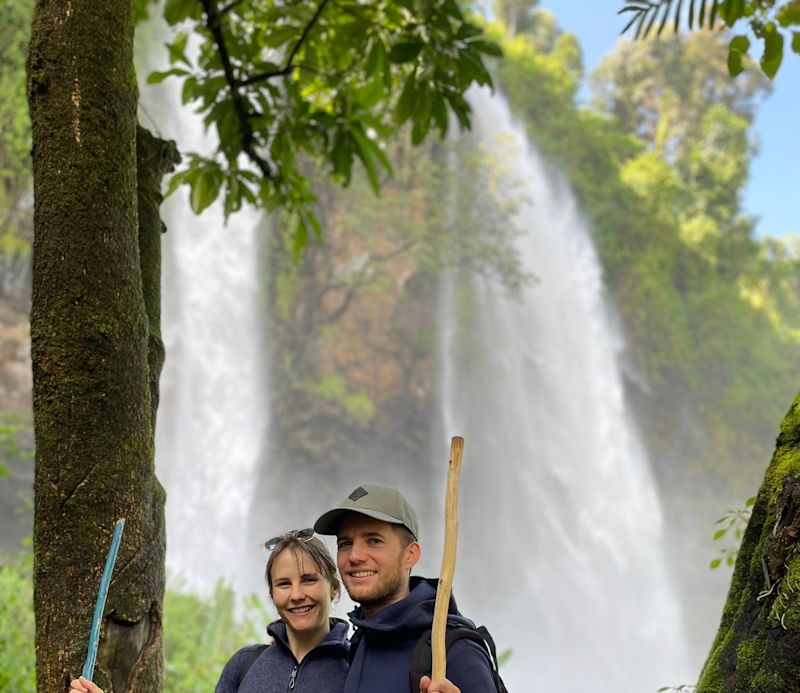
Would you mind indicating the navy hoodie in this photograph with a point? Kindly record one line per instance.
(276, 670)
(382, 659)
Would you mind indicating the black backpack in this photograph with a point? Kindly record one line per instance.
(422, 656)
(249, 660)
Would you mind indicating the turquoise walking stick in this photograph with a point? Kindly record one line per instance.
(100, 604)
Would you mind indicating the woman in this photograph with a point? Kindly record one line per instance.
(309, 654)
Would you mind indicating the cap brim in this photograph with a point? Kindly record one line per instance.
(328, 523)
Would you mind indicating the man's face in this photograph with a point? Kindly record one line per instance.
(373, 562)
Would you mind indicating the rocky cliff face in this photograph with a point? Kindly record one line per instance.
(352, 339)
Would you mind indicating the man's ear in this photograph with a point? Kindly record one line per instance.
(413, 553)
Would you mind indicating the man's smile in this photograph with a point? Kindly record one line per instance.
(362, 573)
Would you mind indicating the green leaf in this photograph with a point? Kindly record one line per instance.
(188, 176)
(715, 563)
(341, 155)
(731, 10)
(176, 11)
(376, 59)
(366, 149)
(439, 113)
(719, 534)
(315, 227)
(370, 94)
(300, 239)
(796, 41)
(158, 77)
(177, 49)
(420, 129)
(468, 30)
(362, 151)
(737, 49)
(789, 14)
(773, 50)
(405, 52)
(233, 197)
(750, 502)
(407, 101)
(276, 36)
(188, 89)
(488, 47)
(205, 189)
(375, 148)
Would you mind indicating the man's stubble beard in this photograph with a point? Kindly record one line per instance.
(384, 593)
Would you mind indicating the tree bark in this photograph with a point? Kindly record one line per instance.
(757, 648)
(95, 347)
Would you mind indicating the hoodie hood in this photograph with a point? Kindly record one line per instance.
(383, 646)
(414, 614)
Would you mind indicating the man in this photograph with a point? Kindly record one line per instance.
(376, 531)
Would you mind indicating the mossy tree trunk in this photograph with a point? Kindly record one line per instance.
(757, 648)
(96, 347)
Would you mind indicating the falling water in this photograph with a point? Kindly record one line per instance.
(561, 531)
(213, 411)
(560, 525)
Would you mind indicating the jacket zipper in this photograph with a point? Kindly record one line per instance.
(293, 677)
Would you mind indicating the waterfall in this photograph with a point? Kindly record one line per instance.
(560, 545)
(213, 397)
(560, 549)
(213, 413)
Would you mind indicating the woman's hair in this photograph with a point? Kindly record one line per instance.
(314, 549)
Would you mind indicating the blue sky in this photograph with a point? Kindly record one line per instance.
(773, 192)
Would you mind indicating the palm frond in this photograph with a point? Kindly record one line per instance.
(645, 14)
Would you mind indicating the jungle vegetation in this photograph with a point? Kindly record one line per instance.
(658, 158)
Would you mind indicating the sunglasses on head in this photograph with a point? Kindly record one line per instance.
(301, 534)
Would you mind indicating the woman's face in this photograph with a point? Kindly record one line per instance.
(301, 594)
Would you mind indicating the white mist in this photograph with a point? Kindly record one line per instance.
(560, 549)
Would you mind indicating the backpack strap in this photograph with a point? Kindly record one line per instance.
(248, 659)
(422, 657)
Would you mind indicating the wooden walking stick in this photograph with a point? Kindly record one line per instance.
(448, 560)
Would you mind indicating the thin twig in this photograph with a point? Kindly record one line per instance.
(286, 69)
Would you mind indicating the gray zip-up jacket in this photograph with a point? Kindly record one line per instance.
(323, 670)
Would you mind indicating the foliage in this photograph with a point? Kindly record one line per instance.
(769, 22)
(10, 446)
(17, 658)
(334, 81)
(201, 633)
(733, 525)
(352, 323)
(15, 136)
(658, 162)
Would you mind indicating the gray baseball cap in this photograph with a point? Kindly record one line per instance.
(373, 500)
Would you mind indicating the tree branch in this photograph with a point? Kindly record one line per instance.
(214, 23)
(286, 69)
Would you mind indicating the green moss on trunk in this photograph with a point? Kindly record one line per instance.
(94, 338)
(757, 646)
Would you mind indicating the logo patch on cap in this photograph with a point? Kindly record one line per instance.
(358, 493)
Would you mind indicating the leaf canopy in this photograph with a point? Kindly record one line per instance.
(331, 80)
